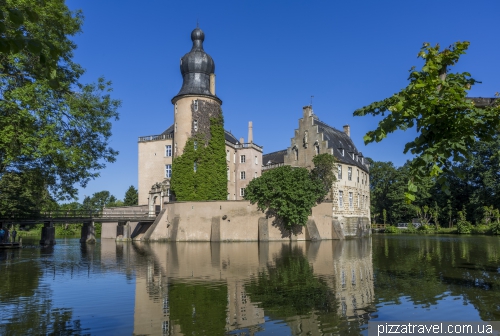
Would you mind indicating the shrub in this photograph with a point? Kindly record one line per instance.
(426, 228)
(463, 226)
(411, 228)
(392, 229)
(480, 229)
(495, 228)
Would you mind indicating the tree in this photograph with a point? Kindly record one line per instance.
(131, 196)
(323, 172)
(435, 103)
(50, 123)
(290, 193)
(99, 200)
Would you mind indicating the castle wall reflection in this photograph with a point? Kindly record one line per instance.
(213, 288)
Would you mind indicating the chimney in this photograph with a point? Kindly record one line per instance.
(212, 84)
(347, 130)
(250, 132)
(242, 141)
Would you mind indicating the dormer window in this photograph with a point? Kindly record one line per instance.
(195, 125)
(195, 105)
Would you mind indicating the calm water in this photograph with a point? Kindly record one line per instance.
(329, 287)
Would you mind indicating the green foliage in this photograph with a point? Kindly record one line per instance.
(426, 228)
(435, 104)
(21, 193)
(290, 289)
(463, 226)
(323, 172)
(411, 228)
(387, 192)
(392, 229)
(480, 229)
(50, 123)
(131, 196)
(196, 307)
(209, 181)
(286, 193)
(99, 200)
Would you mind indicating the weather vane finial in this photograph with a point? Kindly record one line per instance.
(312, 100)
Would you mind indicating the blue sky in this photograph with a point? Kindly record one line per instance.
(271, 57)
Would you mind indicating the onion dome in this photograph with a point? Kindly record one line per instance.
(196, 68)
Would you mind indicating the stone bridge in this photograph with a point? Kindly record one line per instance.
(88, 217)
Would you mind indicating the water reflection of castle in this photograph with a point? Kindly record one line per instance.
(184, 286)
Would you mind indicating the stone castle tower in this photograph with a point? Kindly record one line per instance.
(198, 89)
(194, 105)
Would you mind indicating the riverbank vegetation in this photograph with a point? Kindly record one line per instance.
(95, 202)
(471, 205)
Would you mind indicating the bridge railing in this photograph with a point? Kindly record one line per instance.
(53, 214)
(379, 226)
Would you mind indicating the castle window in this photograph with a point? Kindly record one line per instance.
(176, 106)
(255, 175)
(195, 144)
(242, 175)
(350, 200)
(296, 152)
(195, 105)
(316, 149)
(228, 155)
(362, 201)
(256, 160)
(175, 147)
(358, 174)
(168, 150)
(242, 191)
(195, 125)
(168, 170)
(341, 198)
(358, 200)
(228, 175)
(242, 158)
(175, 127)
(339, 175)
(349, 173)
(195, 166)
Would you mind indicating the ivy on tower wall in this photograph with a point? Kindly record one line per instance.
(205, 149)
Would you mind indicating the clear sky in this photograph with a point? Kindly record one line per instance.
(271, 57)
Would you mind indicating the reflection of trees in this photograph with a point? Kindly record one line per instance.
(289, 288)
(27, 305)
(428, 268)
(198, 309)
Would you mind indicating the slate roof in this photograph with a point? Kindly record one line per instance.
(169, 130)
(338, 140)
(229, 137)
(274, 157)
(483, 102)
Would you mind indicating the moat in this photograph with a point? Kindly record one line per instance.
(328, 287)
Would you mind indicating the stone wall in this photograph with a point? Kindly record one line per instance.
(242, 221)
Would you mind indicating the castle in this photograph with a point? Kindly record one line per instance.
(196, 104)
